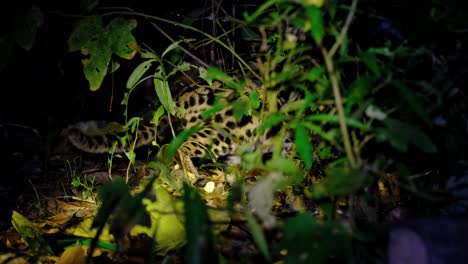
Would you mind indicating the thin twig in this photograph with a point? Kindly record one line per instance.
(328, 57)
(344, 30)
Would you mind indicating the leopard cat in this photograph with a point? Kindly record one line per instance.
(220, 134)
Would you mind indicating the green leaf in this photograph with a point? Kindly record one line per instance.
(217, 74)
(30, 233)
(339, 181)
(161, 85)
(174, 45)
(217, 106)
(84, 32)
(260, 11)
(413, 101)
(401, 135)
(329, 136)
(138, 72)
(308, 241)
(370, 60)
(272, 121)
(257, 235)
(198, 228)
(241, 107)
(166, 213)
(314, 74)
(325, 153)
(121, 40)
(99, 43)
(146, 54)
(303, 146)
(315, 16)
(179, 140)
(254, 98)
(111, 194)
(359, 89)
(287, 166)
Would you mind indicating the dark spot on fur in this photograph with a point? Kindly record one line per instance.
(201, 100)
(218, 118)
(204, 133)
(229, 112)
(273, 131)
(245, 120)
(225, 149)
(144, 135)
(192, 100)
(221, 136)
(99, 139)
(193, 119)
(210, 98)
(230, 124)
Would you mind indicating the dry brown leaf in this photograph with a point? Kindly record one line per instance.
(73, 255)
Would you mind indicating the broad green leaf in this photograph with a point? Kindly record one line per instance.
(99, 43)
(303, 146)
(280, 164)
(110, 194)
(155, 121)
(198, 228)
(146, 54)
(308, 241)
(260, 11)
(174, 45)
(161, 86)
(400, 135)
(272, 121)
(314, 74)
(217, 74)
(121, 40)
(325, 153)
(315, 16)
(241, 107)
(166, 213)
(330, 135)
(96, 66)
(370, 60)
(138, 72)
(413, 101)
(217, 106)
(359, 89)
(257, 235)
(30, 233)
(254, 98)
(84, 32)
(339, 181)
